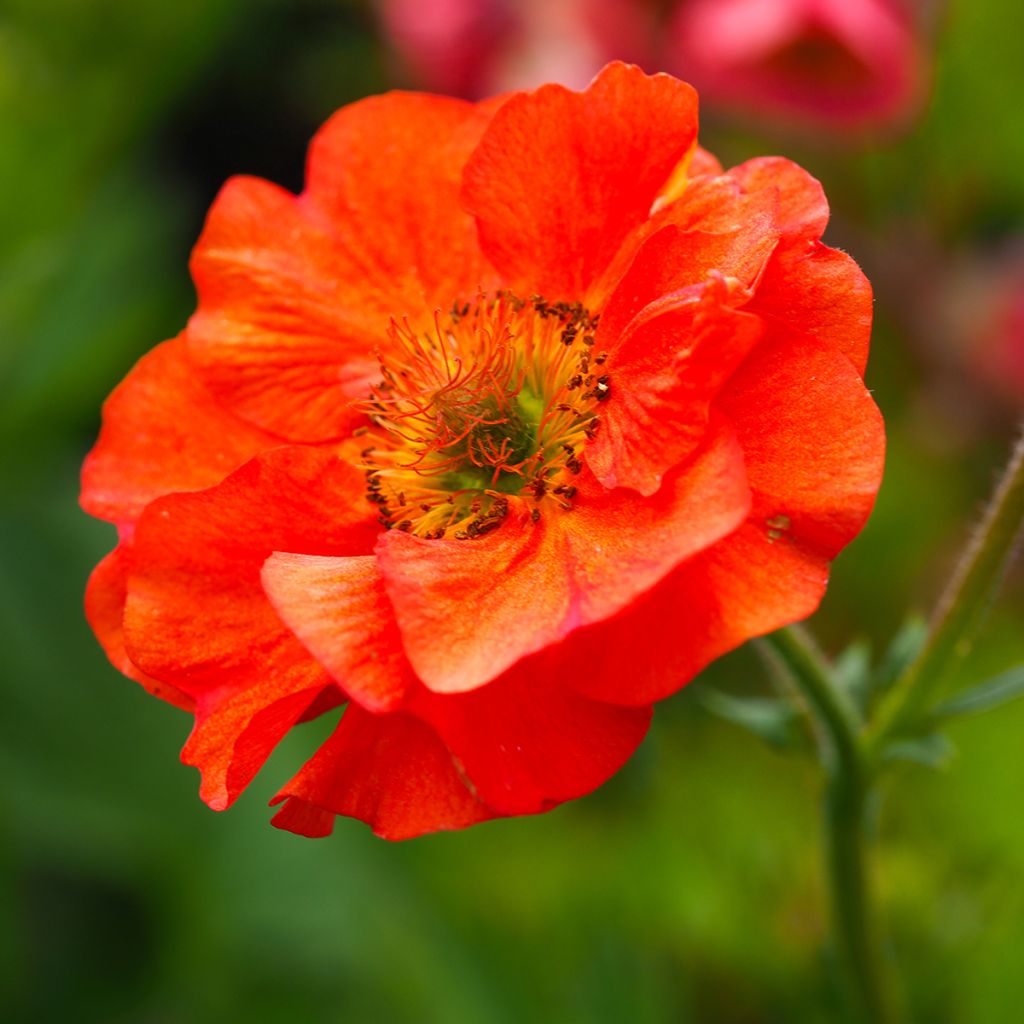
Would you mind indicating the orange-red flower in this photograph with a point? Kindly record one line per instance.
(520, 414)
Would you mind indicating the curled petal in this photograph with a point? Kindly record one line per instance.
(468, 610)
(813, 441)
(528, 741)
(162, 431)
(806, 286)
(822, 293)
(385, 174)
(105, 596)
(554, 224)
(196, 614)
(813, 444)
(234, 734)
(803, 208)
(666, 369)
(391, 771)
(715, 228)
(744, 586)
(296, 293)
(338, 608)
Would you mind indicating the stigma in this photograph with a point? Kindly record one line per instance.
(490, 406)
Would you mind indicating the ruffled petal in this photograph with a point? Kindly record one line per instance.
(339, 610)
(807, 286)
(715, 228)
(528, 741)
(803, 208)
(468, 610)
(665, 371)
(162, 431)
(235, 734)
(296, 293)
(560, 179)
(822, 293)
(196, 615)
(385, 173)
(812, 438)
(105, 596)
(391, 771)
(813, 444)
(746, 585)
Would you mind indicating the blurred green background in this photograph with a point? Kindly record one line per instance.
(688, 888)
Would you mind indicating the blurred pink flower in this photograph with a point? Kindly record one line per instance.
(996, 342)
(850, 64)
(474, 48)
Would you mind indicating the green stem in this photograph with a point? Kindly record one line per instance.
(962, 609)
(857, 935)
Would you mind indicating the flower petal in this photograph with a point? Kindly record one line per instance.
(468, 610)
(527, 741)
(807, 286)
(665, 371)
(196, 615)
(391, 771)
(803, 208)
(819, 292)
(813, 441)
(234, 735)
(714, 229)
(386, 174)
(104, 608)
(295, 293)
(162, 432)
(744, 586)
(561, 178)
(338, 608)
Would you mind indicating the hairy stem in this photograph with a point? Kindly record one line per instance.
(962, 608)
(857, 937)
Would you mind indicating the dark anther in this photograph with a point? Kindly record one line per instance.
(483, 526)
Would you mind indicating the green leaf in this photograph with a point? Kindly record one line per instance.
(905, 647)
(931, 751)
(852, 670)
(772, 719)
(992, 693)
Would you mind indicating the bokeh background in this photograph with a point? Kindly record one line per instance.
(688, 888)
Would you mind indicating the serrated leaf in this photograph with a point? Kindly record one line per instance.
(772, 719)
(992, 693)
(931, 751)
(904, 648)
(852, 670)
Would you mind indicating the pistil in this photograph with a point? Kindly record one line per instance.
(496, 402)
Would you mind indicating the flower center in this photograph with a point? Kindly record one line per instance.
(495, 401)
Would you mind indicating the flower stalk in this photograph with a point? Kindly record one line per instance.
(961, 611)
(851, 750)
(857, 936)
